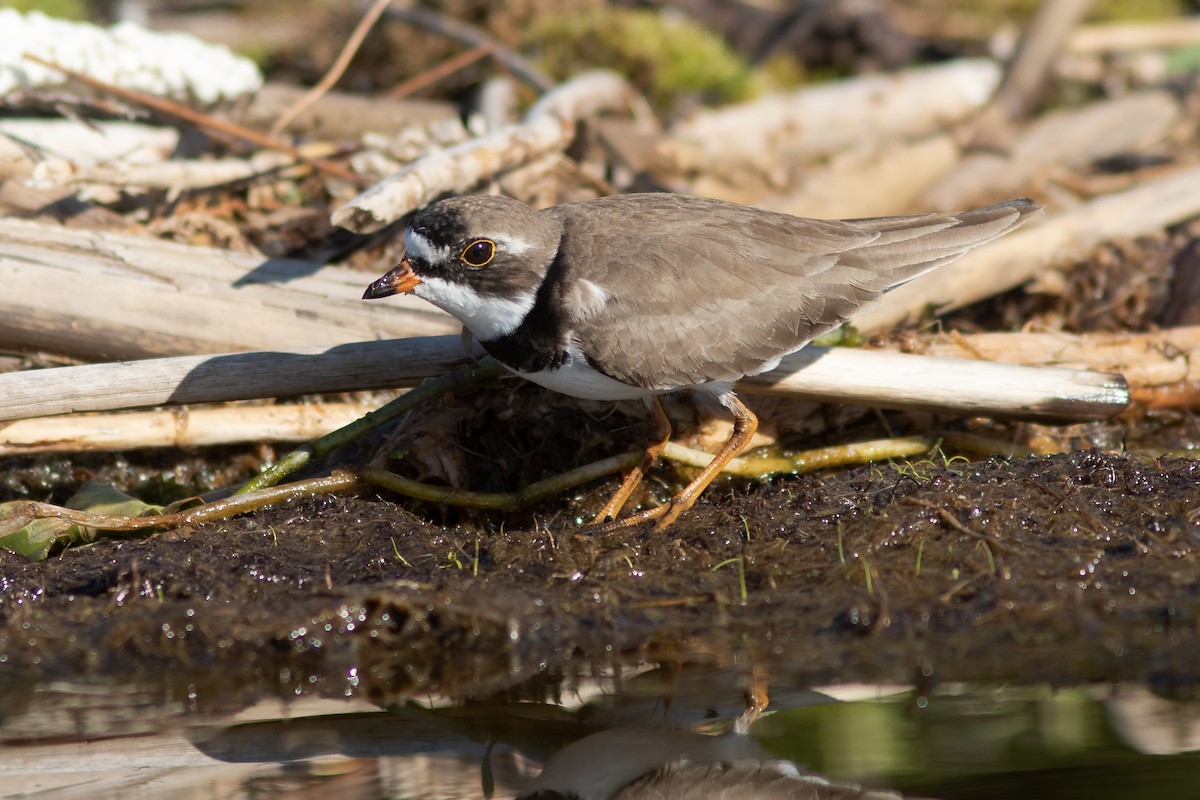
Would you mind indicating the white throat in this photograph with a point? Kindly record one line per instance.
(487, 316)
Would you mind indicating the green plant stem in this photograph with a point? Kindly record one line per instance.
(487, 369)
(499, 501)
(807, 460)
(339, 481)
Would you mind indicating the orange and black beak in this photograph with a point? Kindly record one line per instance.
(401, 280)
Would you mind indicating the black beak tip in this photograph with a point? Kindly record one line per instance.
(377, 290)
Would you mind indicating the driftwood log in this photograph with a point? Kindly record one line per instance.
(1158, 367)
(1068, 139)
(99, 295)
(548, 128)
(178, 427)
(831, 117)
(889, 380)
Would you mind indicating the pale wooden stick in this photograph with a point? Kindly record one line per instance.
(456, 169)
(889, 380)
(100, 295)
(24, 143)
(180, 427)
(547, 128)
(236, 376)
(1161, 368)
(946, 385)
(1157, 35)
(1059, 140)
(339, 115)
(17, 197)
(875, 182)
(1010, 261)
(1031, 66)
(175, 174)
(1154, 364)
(830, 117)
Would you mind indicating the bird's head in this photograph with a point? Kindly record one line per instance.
(480, 258)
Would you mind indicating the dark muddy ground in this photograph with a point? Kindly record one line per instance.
(1063, 569)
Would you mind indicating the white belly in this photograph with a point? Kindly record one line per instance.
(577, 379)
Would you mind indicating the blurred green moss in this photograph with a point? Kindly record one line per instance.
(667, 56)
(62, 9)
(1102, 11)
(1115, 10)
(1184, 59)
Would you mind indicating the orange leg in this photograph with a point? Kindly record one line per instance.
(744, 426)
(662, 434)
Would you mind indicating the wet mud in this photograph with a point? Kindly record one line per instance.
(1061, 569)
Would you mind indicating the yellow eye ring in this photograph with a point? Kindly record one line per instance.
(478, 253)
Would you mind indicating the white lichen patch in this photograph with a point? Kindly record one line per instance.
(175, 65)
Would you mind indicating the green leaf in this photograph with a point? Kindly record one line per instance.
(100, 498)
(38, 538)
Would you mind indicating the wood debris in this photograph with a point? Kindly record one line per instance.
(276, 290)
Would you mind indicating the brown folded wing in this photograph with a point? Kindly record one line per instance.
(725, 290)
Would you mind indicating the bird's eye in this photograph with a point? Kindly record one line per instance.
(478, 253)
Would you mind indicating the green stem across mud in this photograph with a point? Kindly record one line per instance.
(465, 377)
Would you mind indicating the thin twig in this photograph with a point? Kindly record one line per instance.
(1026, 75)
(1041, 45)
(807, 460)
(200, 119)
(948, 517)
(434, 74)
(335, 71)
(520, 66)
(500, 501)
(556, 484)
(549, 127)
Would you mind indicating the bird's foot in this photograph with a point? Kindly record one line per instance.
(612, 509)
(662, 516)
(632, 521)
(633, 478)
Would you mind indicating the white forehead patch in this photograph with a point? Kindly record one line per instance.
(512, 244)
(487, 316)
(420, 248)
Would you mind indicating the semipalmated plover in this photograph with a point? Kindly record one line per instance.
(636, 295)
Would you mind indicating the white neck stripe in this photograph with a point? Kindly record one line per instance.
(487, 316)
